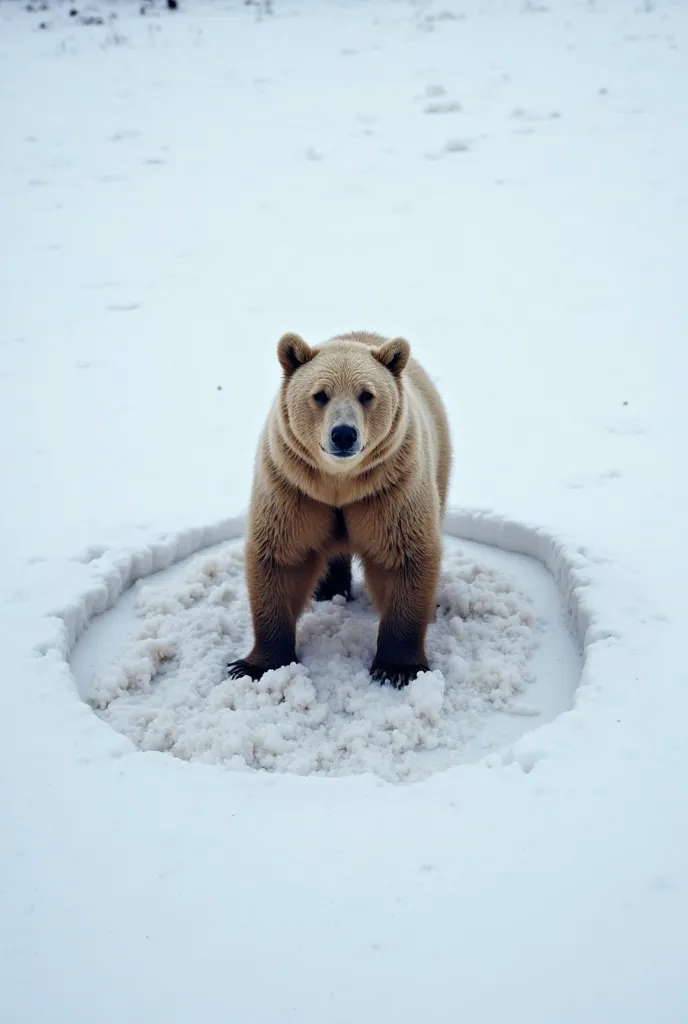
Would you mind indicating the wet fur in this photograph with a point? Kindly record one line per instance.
(306, 520)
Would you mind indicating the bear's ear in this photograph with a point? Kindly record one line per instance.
(394, 354)
(293, 352)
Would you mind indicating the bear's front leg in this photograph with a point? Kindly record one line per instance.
(405, 597)
(278, 594)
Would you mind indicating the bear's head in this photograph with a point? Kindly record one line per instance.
(343, 401)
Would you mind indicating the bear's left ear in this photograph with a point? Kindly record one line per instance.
(394, 354)
(293, 352)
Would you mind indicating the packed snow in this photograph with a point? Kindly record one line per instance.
(504, 183)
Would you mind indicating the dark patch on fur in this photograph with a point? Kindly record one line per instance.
(339, 528)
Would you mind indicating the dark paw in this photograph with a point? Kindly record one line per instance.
(398, 675)
(237, 669)
(243, 667)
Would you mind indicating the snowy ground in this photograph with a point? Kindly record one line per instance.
(155, 667)
(503, 183)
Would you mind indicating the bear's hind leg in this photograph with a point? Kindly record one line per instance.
(336, 581)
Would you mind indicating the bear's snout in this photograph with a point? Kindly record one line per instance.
(343, 440)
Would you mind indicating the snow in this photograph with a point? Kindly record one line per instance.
(164, 684)
(176, 191)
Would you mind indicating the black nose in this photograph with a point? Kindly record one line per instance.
(343, 437)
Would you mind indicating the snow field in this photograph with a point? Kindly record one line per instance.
(176, 191)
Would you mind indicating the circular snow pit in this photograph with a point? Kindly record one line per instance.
(502, 660)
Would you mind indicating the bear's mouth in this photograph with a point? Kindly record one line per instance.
(344, 454)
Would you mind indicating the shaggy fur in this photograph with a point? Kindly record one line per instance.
(310, 512)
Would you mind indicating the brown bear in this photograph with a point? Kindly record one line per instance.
(354, 460)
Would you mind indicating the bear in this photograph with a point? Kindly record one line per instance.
(354, 459)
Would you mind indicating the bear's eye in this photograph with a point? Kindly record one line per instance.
(321, 397)
(365, 397)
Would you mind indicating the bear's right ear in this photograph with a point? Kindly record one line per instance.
(394, 354)
(293, 352)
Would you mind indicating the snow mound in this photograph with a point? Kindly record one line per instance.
(169, 691)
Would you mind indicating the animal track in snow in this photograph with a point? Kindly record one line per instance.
(532, 117)
(442, 107)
